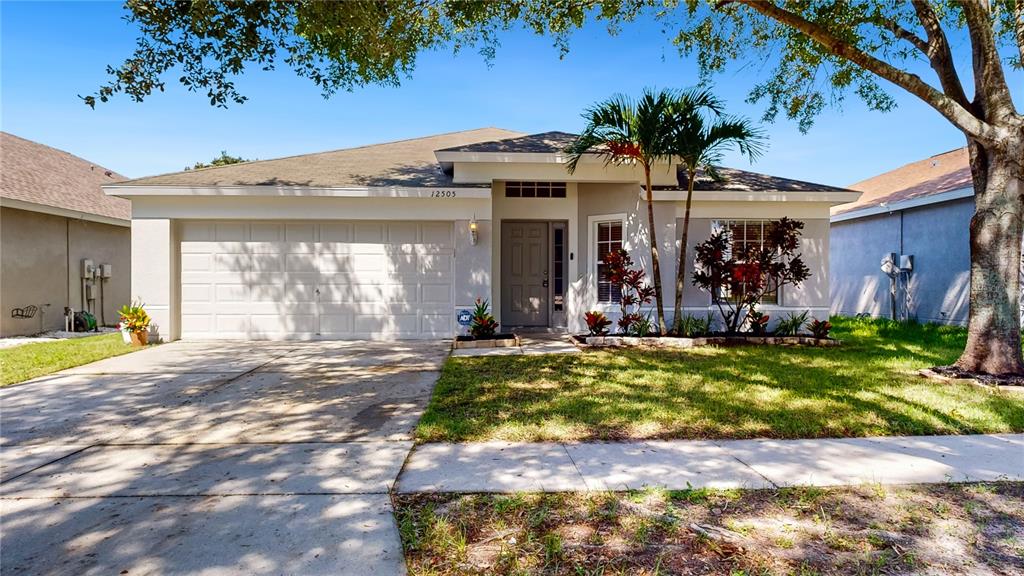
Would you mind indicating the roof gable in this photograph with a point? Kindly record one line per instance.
(39, 174)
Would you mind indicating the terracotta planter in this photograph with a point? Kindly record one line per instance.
(140, 339)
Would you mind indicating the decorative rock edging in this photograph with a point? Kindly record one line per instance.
(487, 343)
(669, 342)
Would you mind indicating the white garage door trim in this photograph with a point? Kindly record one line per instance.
(330, 280)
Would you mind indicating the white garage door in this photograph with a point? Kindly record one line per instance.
(307, 280)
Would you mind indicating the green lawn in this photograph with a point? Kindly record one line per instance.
(28, 361)
(866, 387)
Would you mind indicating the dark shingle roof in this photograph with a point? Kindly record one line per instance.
(543, 143)
(402, 163)
(36, 173)
(732, 179)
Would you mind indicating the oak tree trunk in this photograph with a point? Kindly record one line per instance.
(993, 328)
(655, 263)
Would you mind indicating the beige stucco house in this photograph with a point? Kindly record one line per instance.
(395, 240)
(54, 216)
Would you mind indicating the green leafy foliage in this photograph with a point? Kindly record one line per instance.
(133, 317)
(690, 326)
(224, 159)
(758, 322)
(790, 324)
(483, 324)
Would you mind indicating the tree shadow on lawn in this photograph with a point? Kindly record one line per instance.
(738, 392)
(957, 529)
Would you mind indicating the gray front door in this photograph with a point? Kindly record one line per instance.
(524, 273)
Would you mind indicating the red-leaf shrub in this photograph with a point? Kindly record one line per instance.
(819, 328)
(635, 292)
(597, 323)
(738, 279)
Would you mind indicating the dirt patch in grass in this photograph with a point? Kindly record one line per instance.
(954, 529)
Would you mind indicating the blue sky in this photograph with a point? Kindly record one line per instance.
(53, 52)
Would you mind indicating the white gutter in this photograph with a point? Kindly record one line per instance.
(885, 208)
(64, 212)
(830, 196)
(127, 191)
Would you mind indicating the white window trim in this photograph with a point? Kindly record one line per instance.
(592, 222)
(780, 299)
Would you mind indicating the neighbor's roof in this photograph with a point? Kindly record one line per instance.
(402, 163)
(940, 173)
(36, 173)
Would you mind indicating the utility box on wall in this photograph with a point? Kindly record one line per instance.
(88, 268)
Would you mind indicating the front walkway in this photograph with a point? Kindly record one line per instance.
(682, 464)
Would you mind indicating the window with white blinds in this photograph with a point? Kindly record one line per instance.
(609, 239)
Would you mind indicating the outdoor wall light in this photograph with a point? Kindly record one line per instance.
(473, 234)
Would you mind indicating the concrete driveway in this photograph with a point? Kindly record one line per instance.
(219, 458)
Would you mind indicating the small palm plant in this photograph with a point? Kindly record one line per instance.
(640, 132)
(702, 133)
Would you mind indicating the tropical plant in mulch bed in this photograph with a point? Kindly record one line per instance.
(758, 322)
(597, 323)
(820, 328)
(483, 324)
(738, 277)
(634, 294)
(790, 324)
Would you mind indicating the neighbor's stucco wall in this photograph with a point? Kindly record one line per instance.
(37, 268)
(103, 244)
(936, 235)
(33, 253)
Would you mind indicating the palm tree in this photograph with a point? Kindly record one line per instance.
(702, 134)
(623, 131)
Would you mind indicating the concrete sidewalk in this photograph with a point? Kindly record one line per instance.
(679, 464)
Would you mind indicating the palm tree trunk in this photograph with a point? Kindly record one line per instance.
(993, 328)
(655, 262)
(681, 269)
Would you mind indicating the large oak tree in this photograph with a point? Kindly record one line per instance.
(816, 51)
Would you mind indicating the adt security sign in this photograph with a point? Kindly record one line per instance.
(465, 317)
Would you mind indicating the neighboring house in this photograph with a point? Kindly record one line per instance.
(922, 210)
(53, 215)
(396, 240)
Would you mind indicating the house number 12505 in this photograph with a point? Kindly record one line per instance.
(442, 194)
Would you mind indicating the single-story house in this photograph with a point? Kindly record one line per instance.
(63, 242)
(920, 213)
(398, 240)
